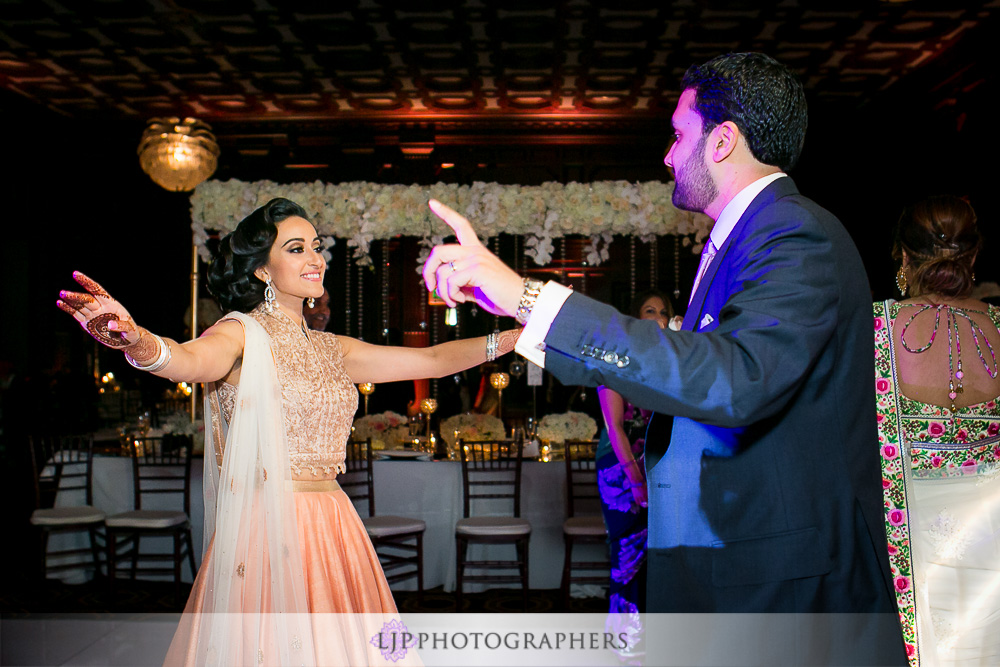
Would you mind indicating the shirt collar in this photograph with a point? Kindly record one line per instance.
(737, 206)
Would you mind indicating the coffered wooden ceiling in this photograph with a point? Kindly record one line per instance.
(427, 59)
(270, 73)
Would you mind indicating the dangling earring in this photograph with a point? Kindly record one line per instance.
(269, 296)
(901, 281)
(311, 302)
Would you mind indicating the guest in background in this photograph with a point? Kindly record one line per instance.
(621, 476)
(937, 397)
(317, 311)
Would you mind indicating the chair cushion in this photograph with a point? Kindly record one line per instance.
(67, 516)
(585, 526)
(386, 526)
(493, 525)
(146, 519)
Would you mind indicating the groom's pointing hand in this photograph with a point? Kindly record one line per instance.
(468, 271)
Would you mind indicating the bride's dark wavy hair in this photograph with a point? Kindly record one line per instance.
(231, 278)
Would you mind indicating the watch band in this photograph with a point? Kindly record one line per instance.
(532, 288)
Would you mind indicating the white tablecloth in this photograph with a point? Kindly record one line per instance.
(426, 490)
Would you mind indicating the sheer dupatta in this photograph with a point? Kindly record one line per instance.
(255, 608)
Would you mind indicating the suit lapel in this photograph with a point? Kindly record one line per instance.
(779, 188)
(658, 437)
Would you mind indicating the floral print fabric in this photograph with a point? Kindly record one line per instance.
(934, 442)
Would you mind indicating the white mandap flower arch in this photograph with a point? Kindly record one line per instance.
(362, 212)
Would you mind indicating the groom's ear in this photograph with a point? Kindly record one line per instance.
(724, 140)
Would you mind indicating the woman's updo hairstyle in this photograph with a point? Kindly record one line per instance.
(231, 278)
(941, 239)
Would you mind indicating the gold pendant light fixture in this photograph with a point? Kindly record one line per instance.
(178, 154)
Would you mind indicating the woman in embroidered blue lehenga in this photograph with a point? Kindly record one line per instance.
(938, 410)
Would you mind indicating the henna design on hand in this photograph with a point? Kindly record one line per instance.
(66, 308)
(145, 349)
(98, 328)
(78, 300)
(90, 285)
(508, 339)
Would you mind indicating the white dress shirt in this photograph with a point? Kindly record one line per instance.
(531, 344)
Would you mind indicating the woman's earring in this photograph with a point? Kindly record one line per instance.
(901, 281)
(269, 295)
(311, 302)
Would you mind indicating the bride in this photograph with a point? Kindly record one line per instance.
(289, 572)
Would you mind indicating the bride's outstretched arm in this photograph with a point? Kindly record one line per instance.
(380, 363)
(209, 358)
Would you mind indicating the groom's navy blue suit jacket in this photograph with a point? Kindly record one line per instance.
(763, 465)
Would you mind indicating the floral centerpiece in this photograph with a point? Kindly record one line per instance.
(567, 426)
(180, 424)
(388, 429)
(471, 427)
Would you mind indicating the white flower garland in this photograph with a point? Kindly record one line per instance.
(362, 212)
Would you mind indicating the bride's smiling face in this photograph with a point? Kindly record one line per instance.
(295, 264)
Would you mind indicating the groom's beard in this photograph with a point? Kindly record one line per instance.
(694, 188)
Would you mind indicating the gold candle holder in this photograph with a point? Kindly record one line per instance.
(499, 381)
(366, 389)
(428, 406)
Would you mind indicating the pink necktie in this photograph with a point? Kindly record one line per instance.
(707, 255)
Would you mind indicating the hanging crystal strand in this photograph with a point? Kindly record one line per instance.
(361, 302)
(434, 341)
(518, 255)
(347, 290)
(496, 251)
(631, 269)
(424, 295)
(562, 259)
(385, 290)
(677, 266)
(654, 268)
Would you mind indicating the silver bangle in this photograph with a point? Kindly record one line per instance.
(162, 359)
(532, 288)
(492, 344)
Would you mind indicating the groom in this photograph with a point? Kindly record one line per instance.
(764, 487)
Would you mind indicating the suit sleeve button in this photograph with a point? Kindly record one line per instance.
(623, 361)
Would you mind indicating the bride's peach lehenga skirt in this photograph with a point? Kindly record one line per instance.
(342, 576)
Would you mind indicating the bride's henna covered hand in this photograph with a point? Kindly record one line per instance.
(106, 320)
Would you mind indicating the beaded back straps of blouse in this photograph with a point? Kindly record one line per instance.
(952, 315)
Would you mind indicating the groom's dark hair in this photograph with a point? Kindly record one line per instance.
(760, 95)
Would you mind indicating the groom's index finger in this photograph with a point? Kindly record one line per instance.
(463, 228)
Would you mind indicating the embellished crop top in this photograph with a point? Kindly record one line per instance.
(318, 398)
